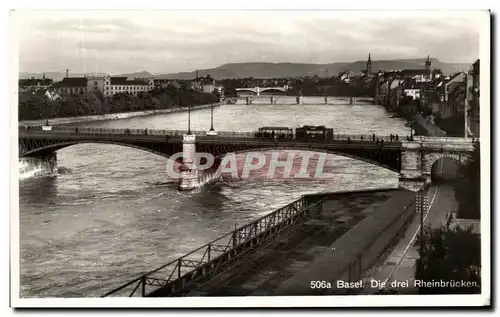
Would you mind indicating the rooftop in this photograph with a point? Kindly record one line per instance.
(414, 72)
(125, 81)
(72, 82)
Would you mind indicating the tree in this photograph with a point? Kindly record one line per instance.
(468, 190)
(450, 255)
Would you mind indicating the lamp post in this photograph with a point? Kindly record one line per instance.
(212, 118)
(189, 119)
(410, 124)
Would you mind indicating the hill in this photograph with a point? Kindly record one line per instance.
(273, 70)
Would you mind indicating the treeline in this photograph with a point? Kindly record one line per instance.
(35, 107)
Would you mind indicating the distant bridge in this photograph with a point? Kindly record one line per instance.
(302, 100)
(412, 159)
(256, 91)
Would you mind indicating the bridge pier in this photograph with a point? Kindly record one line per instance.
(326, 100)
(38, 165)
(299, 100)
(189, 170)
(411, 176)
(413, 184)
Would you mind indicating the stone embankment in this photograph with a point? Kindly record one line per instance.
(424, 127)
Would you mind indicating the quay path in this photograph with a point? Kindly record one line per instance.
(268, 269)
(400, 263)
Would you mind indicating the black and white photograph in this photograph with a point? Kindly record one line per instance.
(250, 158)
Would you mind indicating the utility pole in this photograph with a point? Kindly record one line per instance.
(422, 206)
(466, 104)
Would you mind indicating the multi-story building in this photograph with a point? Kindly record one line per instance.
(472, 99)
(456, 98)
(115, 85)
(451, 83)
(208, 85)
(108, 85)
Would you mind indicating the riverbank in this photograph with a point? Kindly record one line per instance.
(424, 127)
(113, 116)
(421, 125)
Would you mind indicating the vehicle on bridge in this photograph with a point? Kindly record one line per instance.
(274, 133)
(314, 133)
(46, 126)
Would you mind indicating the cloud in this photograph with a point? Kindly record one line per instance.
(172, 41)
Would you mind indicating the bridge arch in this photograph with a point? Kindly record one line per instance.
(246, 91)
(308, 149)
(272, 90)
(432, 158)
(50, 148)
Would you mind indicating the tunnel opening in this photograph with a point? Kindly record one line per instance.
(445, 170)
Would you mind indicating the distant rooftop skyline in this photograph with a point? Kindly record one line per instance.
(182, 41)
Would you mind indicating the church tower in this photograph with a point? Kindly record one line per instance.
(428, 64)
(369, 64)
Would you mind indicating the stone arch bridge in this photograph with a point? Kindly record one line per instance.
(413, 160)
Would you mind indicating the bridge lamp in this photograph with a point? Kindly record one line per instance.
(410, 125)
(212, 118)
(189, 119)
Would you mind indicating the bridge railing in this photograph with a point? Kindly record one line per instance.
(220, 134)
(210, 258)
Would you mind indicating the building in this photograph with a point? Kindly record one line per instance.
(414, 89)
(395, 92)
(34, 84)
(115, 85)
(71, 86)
(208, 85)
(451, 83)
(419, 74)
(472, 99)
(108, 85)
(205, 85)
(456, 99)
(161, 83)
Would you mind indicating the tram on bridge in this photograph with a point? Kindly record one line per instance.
(274, 133)
(314, 133)
(305, 133)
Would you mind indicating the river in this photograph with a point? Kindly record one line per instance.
(114, 214)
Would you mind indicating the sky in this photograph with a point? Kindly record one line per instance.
(173, 41)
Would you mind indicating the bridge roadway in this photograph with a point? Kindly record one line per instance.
(201, 137)
(38, 143)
